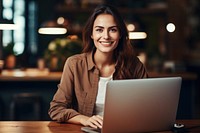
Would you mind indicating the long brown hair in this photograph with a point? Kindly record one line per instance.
(123, 53)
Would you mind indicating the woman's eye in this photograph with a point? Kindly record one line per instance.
(113, 30)
(99, 30)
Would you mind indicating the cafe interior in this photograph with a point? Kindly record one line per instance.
(42, 34)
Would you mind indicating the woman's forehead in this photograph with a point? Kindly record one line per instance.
(105, 20)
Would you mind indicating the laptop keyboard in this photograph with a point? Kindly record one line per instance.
(91, 130)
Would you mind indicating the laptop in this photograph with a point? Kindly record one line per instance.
(140, 105)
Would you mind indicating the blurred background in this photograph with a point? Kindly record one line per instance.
(164, 33)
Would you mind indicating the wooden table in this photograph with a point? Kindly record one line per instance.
(44, 82)
(32, 74)
(37, 127)
(193, 126)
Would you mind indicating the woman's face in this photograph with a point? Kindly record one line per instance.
(105, 33)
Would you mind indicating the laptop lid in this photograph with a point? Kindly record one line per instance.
(141, 105)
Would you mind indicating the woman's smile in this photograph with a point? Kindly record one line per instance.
(105, 33)
(106, 43)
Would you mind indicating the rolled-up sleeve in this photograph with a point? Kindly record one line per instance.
(77, 90)
(61, 105)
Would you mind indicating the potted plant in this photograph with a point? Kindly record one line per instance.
(59, 50)
(9, 56)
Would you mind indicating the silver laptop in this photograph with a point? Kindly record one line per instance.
(141, 105)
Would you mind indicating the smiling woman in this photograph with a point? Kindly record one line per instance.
(107, 55)
(105, 34)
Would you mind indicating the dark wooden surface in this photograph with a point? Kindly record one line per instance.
(53, 127)
(37, 75)
(45, 84)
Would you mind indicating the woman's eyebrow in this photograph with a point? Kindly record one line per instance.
(108, 27)
(98, 27)
(114, 26)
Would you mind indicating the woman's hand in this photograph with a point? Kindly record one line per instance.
(96, 121)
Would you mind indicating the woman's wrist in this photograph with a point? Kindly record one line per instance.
(79, 119)
(83, 119)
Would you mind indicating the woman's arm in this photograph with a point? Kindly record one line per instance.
(94, 121)
(61, 105)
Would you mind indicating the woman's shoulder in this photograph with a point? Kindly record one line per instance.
(79, 61)
(75, 57)
(78, 58)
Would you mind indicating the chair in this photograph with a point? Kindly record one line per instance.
(25, 106)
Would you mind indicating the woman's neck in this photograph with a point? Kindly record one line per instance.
(105, 63)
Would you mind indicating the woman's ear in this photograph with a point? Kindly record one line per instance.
(91, 36)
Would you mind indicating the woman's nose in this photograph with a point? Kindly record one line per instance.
(106, 34)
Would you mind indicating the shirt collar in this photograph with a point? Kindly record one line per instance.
(90, 61)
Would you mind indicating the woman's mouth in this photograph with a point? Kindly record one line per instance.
(107, 43)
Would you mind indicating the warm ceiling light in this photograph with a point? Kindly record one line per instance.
(57, 27)
(131, 27)
(170, 27)
(52, 30)
(7, 25)
(137, 35)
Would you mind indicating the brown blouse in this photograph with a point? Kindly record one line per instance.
(78, 87)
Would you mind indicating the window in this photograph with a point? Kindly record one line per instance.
(23, 14)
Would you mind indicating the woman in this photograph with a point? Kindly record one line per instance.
(107, 55)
